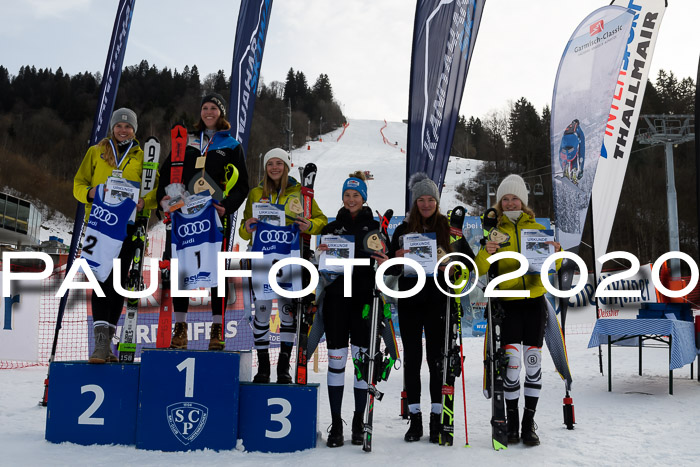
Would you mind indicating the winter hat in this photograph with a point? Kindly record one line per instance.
(124, 115)
(512, 185)
(421, 185)
(356, 184)
(217, 100)
(278, 153)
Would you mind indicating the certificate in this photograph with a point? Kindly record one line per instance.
(535, 248)
(421, 248)
(339, 247)
(272, 214)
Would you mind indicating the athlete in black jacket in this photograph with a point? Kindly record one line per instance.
(212, 159)
(342, 317)
(424, 311)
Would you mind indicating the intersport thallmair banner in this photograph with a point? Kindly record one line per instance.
(624, 114)
(583, 91)
(444, 35)
(251, 31)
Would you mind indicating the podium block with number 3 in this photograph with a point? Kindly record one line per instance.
(278, 417)
(188, 400)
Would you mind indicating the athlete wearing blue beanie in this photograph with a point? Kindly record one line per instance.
(357, 184)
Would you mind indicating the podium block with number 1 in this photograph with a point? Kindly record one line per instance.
(188, 400)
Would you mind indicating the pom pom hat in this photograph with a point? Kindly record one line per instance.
(421, 185)
(512, 185)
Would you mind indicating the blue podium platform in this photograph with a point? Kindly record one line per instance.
(92, 404)
(188, 400)
(278, 417)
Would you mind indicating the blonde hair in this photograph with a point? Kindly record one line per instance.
(269, 185)
(358, 174)
(107, 152)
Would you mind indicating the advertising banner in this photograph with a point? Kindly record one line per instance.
(624, 114)
(444, 35)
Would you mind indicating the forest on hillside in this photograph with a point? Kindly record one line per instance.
(46, 118)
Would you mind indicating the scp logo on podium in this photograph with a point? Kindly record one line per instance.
(187, 420)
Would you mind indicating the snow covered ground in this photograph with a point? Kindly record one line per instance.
(639, 423)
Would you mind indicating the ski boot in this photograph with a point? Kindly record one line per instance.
(529, 436)
(357, 428)
(513, 419)
(335, 432)
(101, 352)
(263, 375)
(216, 341)
(415, 430)
(179, 340)
(283, 376)
(434, 426)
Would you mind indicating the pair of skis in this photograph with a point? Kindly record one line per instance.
(178, 138)
(453, 354)
(127, 341)
(304, 308)
(374, 364)
(496, 360)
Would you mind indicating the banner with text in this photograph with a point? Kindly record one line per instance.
(624, 113)
(248, 48)
(444, 35)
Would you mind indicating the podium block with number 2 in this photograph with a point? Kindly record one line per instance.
(278, 417)
(92, 404)
(188, 400)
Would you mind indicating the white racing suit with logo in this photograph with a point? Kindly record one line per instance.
(276, 243)
(105, 233)
(196, 241)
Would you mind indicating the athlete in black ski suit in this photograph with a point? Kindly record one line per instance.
(425, 311)
(342, 317)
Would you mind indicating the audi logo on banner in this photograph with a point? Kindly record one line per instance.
(194, 228)
(269, 236)
(103, 215)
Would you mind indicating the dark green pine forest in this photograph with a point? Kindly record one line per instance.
(46, 118)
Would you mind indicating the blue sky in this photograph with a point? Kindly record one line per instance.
(363, 45)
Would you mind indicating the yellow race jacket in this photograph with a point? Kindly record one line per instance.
(94, 171)
(530, 281)
(291, 194)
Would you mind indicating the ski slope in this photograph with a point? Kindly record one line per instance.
(362, 147)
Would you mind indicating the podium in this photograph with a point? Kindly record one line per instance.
(278, 417)
(179, 400)
(92, 404)
(188, 400)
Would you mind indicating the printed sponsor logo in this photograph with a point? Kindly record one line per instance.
(103, 215)
(186, 420)
(199, 277)
(194, 228)
(596, 27)
(269, 236)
